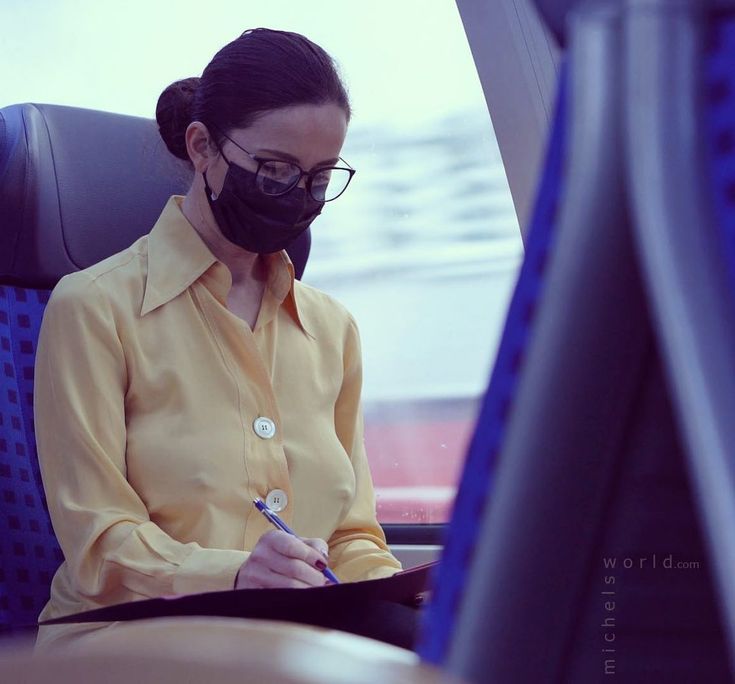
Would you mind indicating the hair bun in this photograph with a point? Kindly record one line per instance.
(174, 114)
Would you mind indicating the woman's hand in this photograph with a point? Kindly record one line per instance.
(282, 561)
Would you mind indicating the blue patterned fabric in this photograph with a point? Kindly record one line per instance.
(476, 484)
(719, 83)
(29, 553)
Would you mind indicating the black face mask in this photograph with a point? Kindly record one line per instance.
(257, 222)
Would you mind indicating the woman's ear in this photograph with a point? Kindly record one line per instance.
(200, 146)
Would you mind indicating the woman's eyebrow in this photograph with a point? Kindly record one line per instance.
(290, 157)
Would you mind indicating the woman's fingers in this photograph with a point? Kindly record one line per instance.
(298, 570)
(294, 547)
(318, 545)
(282, 560)
(296, 559)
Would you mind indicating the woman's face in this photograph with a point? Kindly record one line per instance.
(309, 135)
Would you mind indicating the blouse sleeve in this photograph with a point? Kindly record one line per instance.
(357, 549)
(103, 526)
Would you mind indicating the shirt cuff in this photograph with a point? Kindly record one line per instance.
(208, 570)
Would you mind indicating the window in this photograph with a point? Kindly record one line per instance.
(423, 247)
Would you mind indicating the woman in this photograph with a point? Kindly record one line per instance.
(182, 378)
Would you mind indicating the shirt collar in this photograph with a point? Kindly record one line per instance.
(178, 257)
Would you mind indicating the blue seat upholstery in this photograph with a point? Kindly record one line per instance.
(75, 187)
(719, 83)
(28, 549)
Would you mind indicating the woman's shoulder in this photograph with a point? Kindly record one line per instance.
(120, 278)
(321, 309)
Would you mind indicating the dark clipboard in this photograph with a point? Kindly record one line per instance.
(383, 609)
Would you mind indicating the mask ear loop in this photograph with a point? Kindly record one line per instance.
(207, 188)
(212, 195)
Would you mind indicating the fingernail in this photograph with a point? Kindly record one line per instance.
(321, 565)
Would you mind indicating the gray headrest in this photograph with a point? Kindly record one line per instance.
(78, 185)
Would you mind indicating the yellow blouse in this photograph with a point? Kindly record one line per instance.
(160, 415)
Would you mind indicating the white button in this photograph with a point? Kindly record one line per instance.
(265, 428)
(276, 500)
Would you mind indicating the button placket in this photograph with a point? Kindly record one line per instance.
(264, 459)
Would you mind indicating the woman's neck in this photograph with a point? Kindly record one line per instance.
(246, 267)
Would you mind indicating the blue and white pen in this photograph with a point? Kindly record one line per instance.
(275, 520)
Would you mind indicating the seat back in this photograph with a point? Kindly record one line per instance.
(681, 165)
(563, 570)
(76, 186)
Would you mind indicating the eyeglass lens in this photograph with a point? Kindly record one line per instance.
(276, 178)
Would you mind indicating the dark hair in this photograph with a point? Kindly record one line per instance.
(260, 71)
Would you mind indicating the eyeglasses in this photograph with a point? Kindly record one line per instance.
(277, 177)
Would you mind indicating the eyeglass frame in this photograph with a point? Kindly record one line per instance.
(309, 174)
